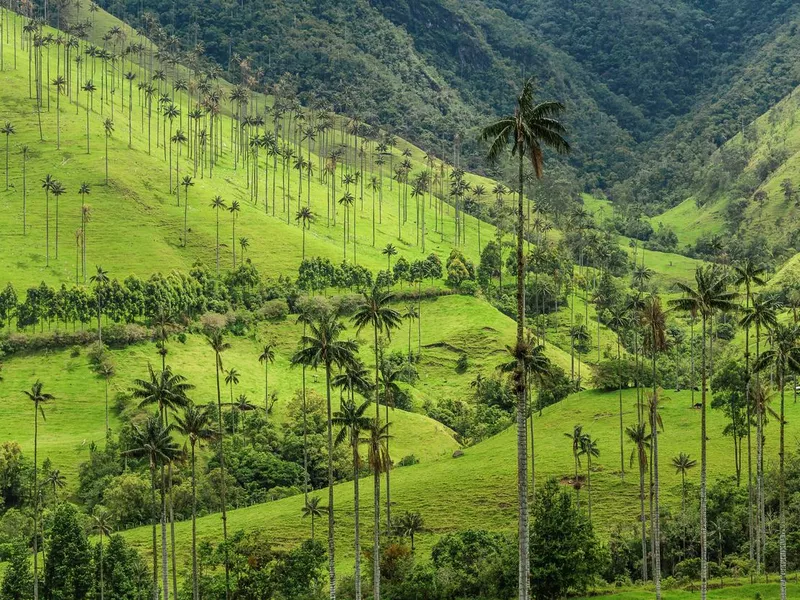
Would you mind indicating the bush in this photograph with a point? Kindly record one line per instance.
(274, 310)
(408, 461)
(462, 364)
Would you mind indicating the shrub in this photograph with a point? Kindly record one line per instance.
(274, 310)
(462, 364)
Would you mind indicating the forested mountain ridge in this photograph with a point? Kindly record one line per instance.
(652, 89)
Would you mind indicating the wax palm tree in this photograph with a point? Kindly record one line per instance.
(218, 204)
(389, 251)
(47, 185)
(164, 389)
(152, 440)
(84, 191)
(763, 317)
(377, 442)
(409, 524)
(315, 510)
(638, 436)
(578, 336)
(57, 481)
(7, 130)
(346, 201)
(101, 525)
(576, 439)
(266, 358)
(683, 464)
(231, 380)
(90, 89)
(590, 449)
(39, 397)
(530, 129)
(60, 83)
(352, 421)
(186, 183)
(218, 344)
(784, 357)
(375, 311)
(100, 281)
(108, 128)
(709, 295)
(305, 217)
(234, 210)
(196, 426)
(106, 370)
(410, 315)
(58, 190)
(620, 321)
(654, 320)
(129, 77)
(748, 274)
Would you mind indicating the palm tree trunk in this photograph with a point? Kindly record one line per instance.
(376, 534)
(357, 540)
(154, 510)
(655, 512)
(642, 516)
(35, 501)
(172, 535)
(164, 563)
(224, 483)
(703, 468)
(331, 544)
(621, 435)
(782, 482)
(522, 431)
(195, 589)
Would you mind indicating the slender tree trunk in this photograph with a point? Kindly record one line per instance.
(164, 563)
(642, 516)
(154, 516)
(195, 588)
(357, 537)
(331, 544)
(376, 532)
(35, 501)
(782, 481)
(703, 468)
(224, 483)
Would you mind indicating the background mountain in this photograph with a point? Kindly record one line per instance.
(653, 89)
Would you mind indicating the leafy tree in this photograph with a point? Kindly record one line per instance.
(565, 555)
(17, 579)
(68, 571)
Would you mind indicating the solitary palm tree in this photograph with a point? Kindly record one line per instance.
(101, 525)
(530, 129)
(218, 204)
(267, 357)
(106, 370)
(619, 322)
(322, 346)
(195, 425)
(410, 315)
(100, 281)
(231, 380)
(784, 357)
(314, 510)
(218, 344)
(7, 130)
(377, 441)
(153, 442)
(352, 421)
(57, 481)
(108, 127)
(90, 89)
(47, 185)
(375, 311)
(39, 399)
(58, 190)
(707, 297)
(638, 436)
(186, 183)
(347, 201)
(60, 83)
(305, 217)
(389, 251)
(590, 449)
(409, 524)
(576, 438)
(234, 210)
(683, 464)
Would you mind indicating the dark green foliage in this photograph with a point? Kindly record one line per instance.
(18, 578)
(565, 556)
(554, 387)
(68, 571)
(125, 575)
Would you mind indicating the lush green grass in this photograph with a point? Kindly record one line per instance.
(732, 592)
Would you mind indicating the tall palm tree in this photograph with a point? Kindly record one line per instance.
(305, 217)
(389, 251)
(186, 183)
(58, 190)
(218, 204)
(153, 442)
(84, 191)
(410, 315)
(57, 481)
(60, 83)
(353, 422)
(377, 441)
(90, 89)
(267, 357)
(108, 128)
(654, 320)
(7, 130)
(576, 439)
(619, 322)
(195, 425)
(638, 436)
(683, 464)
(231, 380)
(748, 274)
(100, 281)
(530, 129)
(590, 449)
(347, 201)
(314, 510)
(106, 370)
(322, 346)
(218, 344)
(234, 210)
(709, 295)
(761, 315)
(39, 398)
(784, 357)
(101, 525)
(375, 311)
(47, 185)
